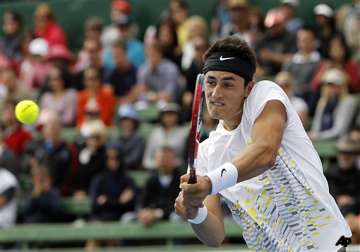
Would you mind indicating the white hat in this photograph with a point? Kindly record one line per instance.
(93, 128)
(324, 10)
(294, 3)
(39, 46)
(334, 76)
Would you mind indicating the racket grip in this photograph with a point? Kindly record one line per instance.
(192, 177)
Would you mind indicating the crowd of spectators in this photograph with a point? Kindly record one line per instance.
(117, 75)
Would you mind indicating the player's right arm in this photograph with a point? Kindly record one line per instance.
(211, 232)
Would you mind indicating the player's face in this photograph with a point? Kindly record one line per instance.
(225, 93)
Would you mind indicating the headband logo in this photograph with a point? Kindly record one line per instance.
(222, 59)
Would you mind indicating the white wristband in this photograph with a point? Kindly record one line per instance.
(200, 216)
(223, 177)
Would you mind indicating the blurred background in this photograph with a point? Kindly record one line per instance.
(114, 80)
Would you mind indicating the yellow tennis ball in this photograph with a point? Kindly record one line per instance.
(27, 111)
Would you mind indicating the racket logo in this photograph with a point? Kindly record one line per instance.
(228, 58)
(222, 172)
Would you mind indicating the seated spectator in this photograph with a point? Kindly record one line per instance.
(15, 135)
(10, 42)
(11, 87)
(293, 23)
(286, 81)
(161, 189)
(344, 177)
(94, 92)
(60, 98)
(168, 133)
(277, 45)
(112, 192)
(8, 202)
(339, 57)
(60, 154)
(89, 55)
(335, 110)
(92, 156)
(34, 69)
(122, 77)
(60, 56)
(304, 63)
(46, 26)
(131, 144)
(8, 159)
(134, 47)
(325, 27)
(44, 204)
(158, 78)
(93, 28)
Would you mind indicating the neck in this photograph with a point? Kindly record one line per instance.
(232, 123)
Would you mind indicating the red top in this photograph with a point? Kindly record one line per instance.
(53, 34)
(105, 100)
(17, 139)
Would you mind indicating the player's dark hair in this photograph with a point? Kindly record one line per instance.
(234, 45)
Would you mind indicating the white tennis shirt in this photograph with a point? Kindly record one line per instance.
(288, 207)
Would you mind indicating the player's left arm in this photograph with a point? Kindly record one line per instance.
(266, 137)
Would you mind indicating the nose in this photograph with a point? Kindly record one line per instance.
(216, 92)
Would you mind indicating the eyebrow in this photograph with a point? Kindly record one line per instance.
(226, 78)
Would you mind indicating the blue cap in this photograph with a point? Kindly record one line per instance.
(128, 111)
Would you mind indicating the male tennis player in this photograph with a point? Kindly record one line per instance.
(260, 161)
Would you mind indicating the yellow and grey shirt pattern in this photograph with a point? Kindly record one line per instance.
(284, 215)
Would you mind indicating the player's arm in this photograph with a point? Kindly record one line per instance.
(266, 137)
(211, 231)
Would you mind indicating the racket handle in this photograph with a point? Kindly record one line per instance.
(192, 177)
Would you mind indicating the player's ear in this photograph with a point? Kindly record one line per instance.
(248, 88)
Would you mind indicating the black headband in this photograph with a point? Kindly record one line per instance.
(228, 62)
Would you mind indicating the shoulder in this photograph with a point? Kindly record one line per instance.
(265, 87)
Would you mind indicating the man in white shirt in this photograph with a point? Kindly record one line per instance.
(260, 161)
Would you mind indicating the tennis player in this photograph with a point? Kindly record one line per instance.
(260, 161)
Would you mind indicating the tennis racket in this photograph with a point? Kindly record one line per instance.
(194, 136)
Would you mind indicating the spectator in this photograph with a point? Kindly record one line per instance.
(95, 94)
(277, 45)
(8, 201)
(8, 160)
(169, 133)
(90, 55)
(130, 143)
(92, 156)
(178, 14)
(335, 110)
(122, 77)
(286, 81)
(325, 25)
(166, 35)
(239, 24)
(293, 23)
(339, 57)
(350, 27)
(93, 28)
(220, 18)
(44, 204)
(60, 56)
(15, 135)
(161, 189)
(344, 177)
(10, 42)
(158, 78)
(11, 87)
(46, 26)
(304, 63)
(134, 47)
(119, 8)
(60, 98)
(60, 154)
(35, 68)
(112, 192)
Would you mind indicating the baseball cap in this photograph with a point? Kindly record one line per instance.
(238, 3)
(60, 52)
(121, 5)
(123, 20)
(93, 128)
(294, 3)
(169, 107)
(128, 111)
(39, 46)
(323, 10)
(334, 76)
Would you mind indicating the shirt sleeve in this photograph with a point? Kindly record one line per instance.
(262, 93)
